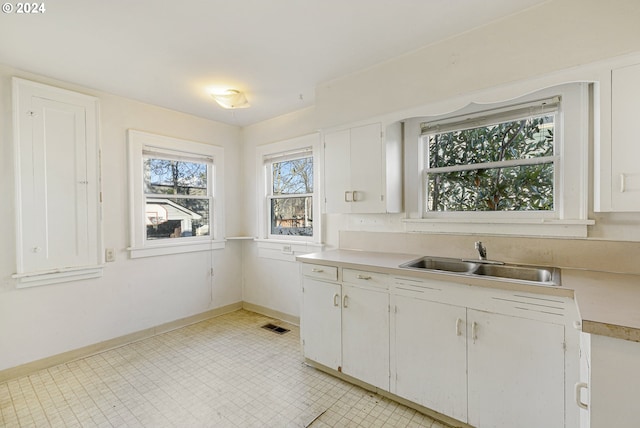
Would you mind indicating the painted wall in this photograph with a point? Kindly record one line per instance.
(133, 294)
(556, 37)
(525, 51)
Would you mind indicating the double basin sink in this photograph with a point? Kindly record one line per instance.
(483, 268)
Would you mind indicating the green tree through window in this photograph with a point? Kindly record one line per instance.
(506, 166)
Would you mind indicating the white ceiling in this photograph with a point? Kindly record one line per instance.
(171, 53)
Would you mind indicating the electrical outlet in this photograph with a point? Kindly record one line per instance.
(286, 249)
(110, 255)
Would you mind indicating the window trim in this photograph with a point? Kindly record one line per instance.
(569, 218)
(280, 151)
(140, 145)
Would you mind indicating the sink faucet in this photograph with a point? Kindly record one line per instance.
(482, 251)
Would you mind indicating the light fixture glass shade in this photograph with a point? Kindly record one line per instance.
(231, 99)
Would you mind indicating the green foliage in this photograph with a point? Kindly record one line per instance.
(479, 187)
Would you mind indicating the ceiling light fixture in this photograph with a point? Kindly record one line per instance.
(231, 99)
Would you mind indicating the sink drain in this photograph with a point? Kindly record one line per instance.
(275, 328)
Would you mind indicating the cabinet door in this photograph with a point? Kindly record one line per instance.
(367, 170)
(516, 372)
(337, 172)
(320, 322)
(431, 355)
(625, 142)
(365, 335)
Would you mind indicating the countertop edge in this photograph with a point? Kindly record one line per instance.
(576, 288)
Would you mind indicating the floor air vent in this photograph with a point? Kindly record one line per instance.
(275, 328)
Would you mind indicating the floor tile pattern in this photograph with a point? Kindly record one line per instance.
(223, 372)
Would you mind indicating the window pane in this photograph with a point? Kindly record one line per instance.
(520, 139)
(292, 216)
(171, 177)
(292, 176)
(177, 217)
(520, 188)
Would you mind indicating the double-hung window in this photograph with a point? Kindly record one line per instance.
(501, 160)
(517, 167)
(176, 194)
(290, 185)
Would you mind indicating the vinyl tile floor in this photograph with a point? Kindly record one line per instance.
(223, 372)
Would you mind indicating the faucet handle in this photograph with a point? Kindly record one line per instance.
(482, 251)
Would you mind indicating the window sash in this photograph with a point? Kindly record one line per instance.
(536, 109)
(271, 159)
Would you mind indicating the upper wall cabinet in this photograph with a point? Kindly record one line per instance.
(57, 184)
(362, 170)
(618, 171)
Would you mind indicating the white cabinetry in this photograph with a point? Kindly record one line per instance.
(359, 165)
(430, 355)
(516, 371)
(488, 357)
(58, 233)
(365, 327)
(614, 376)
(346, 326)
(321, 322)
(618, 174)
(481, 367)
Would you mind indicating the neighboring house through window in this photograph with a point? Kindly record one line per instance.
(176, 194)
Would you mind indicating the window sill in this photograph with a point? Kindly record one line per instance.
(54, 276)
(180, 248)
(513, 227)
(277, 249)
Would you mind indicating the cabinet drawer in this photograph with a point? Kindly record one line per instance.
(362, 277)
(330, 273)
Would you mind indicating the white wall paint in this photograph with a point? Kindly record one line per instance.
(133, 294)
(136, 294)
(560, 39)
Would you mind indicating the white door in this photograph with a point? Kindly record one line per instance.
(625, 114)
(365, 335)
(337, 172)
(367, 174)
(431, 355)
(516, 372)
(320, 322)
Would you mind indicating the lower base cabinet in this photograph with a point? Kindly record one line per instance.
(488, 358)
(431, 355)
(321, 323)
(346, 327)
(516, 372)
(365, 335)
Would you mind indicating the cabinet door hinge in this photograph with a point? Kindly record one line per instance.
(564, 346)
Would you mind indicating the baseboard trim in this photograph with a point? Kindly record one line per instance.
(86, 351)
(271, 313)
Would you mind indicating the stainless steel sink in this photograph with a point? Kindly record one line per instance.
(482, 268)
(442, 264)
(522, 273)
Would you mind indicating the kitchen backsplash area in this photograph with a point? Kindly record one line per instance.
(589, 254)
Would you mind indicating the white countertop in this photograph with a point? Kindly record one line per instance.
(608, 303)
